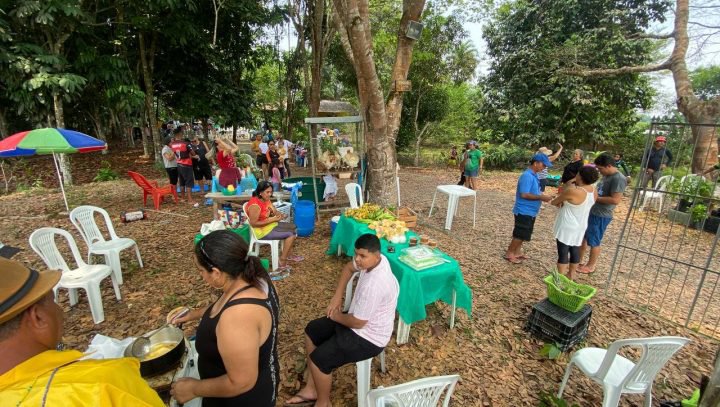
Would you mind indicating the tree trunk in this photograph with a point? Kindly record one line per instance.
(63, 159)
(711, 394)
(3, 125)
(418, 142)
(382, 121)
(97, 123)
(235, 133)
(147, 60)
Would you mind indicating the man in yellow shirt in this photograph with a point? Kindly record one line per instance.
(33, 373)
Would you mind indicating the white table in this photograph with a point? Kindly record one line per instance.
(454, 192)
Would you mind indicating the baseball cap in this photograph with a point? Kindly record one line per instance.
(542, 158)
(22, 287)
(660, 138)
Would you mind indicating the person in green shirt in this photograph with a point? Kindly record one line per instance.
(473, 163)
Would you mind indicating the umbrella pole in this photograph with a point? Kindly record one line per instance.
(62, 187)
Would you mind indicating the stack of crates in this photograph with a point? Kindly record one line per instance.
(553, 324)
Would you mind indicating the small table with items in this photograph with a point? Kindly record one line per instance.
(218, 197)
(417, 288)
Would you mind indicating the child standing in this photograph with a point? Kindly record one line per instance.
(276, 176)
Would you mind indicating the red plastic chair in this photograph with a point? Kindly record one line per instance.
(152, 188)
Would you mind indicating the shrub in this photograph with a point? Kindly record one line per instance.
(105, 173)
(505, 156)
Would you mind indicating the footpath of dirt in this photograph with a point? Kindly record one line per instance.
(498, 361)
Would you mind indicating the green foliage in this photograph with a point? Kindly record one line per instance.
(105, 173)
(531, 98)
(699, 213)
(692, 187)
(550, 400)
(550, 351)
(706, 82)
(505, 156)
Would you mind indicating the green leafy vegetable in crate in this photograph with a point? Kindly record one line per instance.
(572, 289)
(566, 293)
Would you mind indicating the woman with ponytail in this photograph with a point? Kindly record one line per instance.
(237, 335)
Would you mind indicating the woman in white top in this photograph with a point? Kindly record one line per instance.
(575, 203)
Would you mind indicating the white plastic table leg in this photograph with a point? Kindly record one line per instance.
(433, 204)
(452, 207)
(403, 332)
(452, 312)
(474, 208)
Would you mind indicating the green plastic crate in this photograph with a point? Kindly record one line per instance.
(570, 302)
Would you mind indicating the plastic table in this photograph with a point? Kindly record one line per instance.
(443, 282)
(454, 192)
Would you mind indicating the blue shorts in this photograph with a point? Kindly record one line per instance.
(471, 174)
(596, 229)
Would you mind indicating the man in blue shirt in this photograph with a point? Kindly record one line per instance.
(528, 199)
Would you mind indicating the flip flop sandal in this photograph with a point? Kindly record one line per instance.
(513, 260)
(523, 257)
(305, 402)
(296, 258)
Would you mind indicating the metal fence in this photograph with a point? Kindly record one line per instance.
(665, 261)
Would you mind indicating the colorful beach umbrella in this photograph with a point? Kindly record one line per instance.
(50, 141)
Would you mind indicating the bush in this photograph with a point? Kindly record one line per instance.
(505, 156)
(105, 173)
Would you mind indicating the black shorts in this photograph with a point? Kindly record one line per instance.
(172, 175)
(523, 229)
(260, 160)
(337, 345)
(186, 176)
(202, 171)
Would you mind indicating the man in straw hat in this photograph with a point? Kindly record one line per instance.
(33, 373)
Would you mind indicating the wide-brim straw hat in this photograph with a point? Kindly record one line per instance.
(545, 150)
(21, 287)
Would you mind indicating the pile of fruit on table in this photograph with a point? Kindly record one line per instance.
(383, 222)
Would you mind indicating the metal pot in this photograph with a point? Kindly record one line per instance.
(167, 361)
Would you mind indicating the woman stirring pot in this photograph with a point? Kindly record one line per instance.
(237, 336)
(265, 219)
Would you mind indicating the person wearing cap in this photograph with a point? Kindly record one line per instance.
(610, 192)
(657, 158)
(542, 175)
(33, 373)
(473, 165)
(528, 199)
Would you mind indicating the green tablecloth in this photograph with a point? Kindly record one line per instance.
(417, 288)
(244, 232)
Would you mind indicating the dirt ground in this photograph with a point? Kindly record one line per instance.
(498, 361)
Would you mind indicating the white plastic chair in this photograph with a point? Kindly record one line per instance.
(87, 277)
(364, 366)
(275, 245)
(417, 393)
(657, 195)
(618, 374)
(83, 217)
(354, 193)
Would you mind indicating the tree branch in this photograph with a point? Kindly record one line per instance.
(587, 73)
(652, 36)
(715, 27)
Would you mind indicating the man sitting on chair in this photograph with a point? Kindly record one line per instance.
(342, 338)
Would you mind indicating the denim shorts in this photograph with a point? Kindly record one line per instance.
(471, 174)
(596, 229)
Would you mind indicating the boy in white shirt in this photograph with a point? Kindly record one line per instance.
(342, 338)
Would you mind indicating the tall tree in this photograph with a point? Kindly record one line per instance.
(530, 99)
(696, 110)
(381, 120)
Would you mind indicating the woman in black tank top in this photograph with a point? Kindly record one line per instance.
(248, 298)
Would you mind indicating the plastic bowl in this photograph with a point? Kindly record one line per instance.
(227, 192)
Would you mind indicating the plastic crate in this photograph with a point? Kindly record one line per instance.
(553, 324)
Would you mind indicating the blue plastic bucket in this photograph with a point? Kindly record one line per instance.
(333, 224)
(305, 218)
